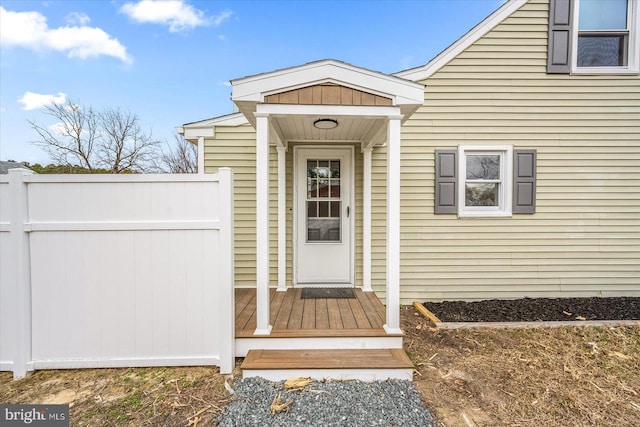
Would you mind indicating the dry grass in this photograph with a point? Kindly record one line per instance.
(125, 397)
(577, 376)
(550, 377)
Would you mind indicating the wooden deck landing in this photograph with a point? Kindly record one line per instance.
(292, 316)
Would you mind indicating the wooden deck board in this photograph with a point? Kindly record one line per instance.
(375, 302)
(282, 319)
(327, 359)
(369, 309)
(358, 314)
(348, 320)
(297, 311)
(309, 314)
(335, 320)
(245, 307)
(291, 316)
(322, 314)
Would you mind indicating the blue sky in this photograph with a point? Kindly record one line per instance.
(170, 61)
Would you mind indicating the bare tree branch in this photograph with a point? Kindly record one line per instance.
(71, 140)
(182, 157)
(112, 139)
(124, 146)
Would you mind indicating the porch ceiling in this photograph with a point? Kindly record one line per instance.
(350, 129)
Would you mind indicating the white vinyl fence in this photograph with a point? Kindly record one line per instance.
(115, 271)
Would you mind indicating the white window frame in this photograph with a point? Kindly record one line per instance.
(633, 48)
(505, 193)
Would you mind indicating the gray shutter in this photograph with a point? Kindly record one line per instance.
(559, 42)
(446, 182)
(524, 181)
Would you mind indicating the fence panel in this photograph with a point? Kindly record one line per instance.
(128, 270)
(7, 290)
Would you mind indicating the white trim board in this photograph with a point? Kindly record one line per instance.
(243, 345)
(343, 374)
(321, 150)
(125, 362)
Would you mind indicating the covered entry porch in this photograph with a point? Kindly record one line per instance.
(313, 115)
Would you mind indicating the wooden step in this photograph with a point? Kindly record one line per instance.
(366, 365)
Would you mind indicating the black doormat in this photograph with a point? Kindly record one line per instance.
(327, 293)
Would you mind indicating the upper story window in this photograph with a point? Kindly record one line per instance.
(605, 36)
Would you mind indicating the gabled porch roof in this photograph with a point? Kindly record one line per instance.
(359, 99)
(252, 90)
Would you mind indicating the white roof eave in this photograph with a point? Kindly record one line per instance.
(443, 58)
(249, 91)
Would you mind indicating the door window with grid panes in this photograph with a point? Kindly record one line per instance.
(323, 203)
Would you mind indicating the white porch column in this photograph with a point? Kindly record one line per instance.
(201, 154)
(262, 225)
(393, 226)
(366, 221)
(282, 219)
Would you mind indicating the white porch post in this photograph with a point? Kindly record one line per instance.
(366, 221)
(201, 154)
(393, 226)
(282, 219)
(262, 225)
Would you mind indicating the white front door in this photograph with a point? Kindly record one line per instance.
(324, 216)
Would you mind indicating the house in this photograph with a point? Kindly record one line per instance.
(8, 164)
(506, 167)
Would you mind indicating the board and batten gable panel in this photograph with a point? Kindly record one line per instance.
(584, 238)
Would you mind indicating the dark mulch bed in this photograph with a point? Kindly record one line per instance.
(537, 309)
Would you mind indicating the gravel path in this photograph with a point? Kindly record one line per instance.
(347, 403)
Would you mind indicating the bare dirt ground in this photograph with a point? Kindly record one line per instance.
(580, 376)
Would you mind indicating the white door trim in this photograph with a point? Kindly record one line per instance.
(328, 149)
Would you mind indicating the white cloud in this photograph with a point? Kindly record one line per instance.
(33, 101)
(176, 14)
(77, 18)
(220, 18)
(30, 30)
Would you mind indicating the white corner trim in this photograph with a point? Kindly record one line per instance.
(366, 220)
(200, 152)
(443, 58)
(282, 219)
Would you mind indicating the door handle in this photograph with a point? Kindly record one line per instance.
(348, 210)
